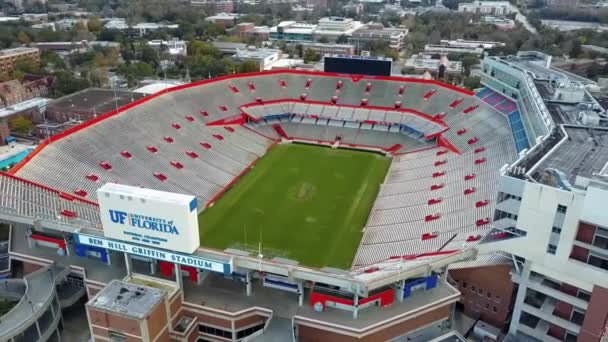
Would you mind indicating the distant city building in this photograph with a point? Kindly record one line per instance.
(331, 49)
(353, 9)
(496, 8)
(423, 62)
(229, 48)
(68, 24)
(471, 43)
(140, 29)
(375, 32)
(174, 47)
(215, 6)
(595, 48)
(300, 12)
(224, 19)
(330, 28)
(446, 49)
(500, 22)
(291, 31)
(10, 57)
(570, 25)
(249, 30)
(263, 57)
(65, 47)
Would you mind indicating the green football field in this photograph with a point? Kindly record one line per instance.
(305, 203)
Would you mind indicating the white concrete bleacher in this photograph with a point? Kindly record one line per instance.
(175, 125)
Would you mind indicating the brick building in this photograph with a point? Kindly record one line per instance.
(487, 292)
(15, 91)
(10, 57)
(129, 312)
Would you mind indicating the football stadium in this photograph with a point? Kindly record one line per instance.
(328, 202)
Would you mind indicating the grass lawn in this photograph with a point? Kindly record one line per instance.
(305, 203)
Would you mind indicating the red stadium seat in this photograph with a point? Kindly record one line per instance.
(438, 174)
(152, 149)
(481, 203)
(168, 139)
(192, 154)
(92, 177)
(472, 238)
(160, 176)
(177, 164)
(68, 213)
(105, 165)
(434, 201)
(482, 222)
(80, 193)
(176, 125)
(126, 154)
(436, 186)
(427, 236)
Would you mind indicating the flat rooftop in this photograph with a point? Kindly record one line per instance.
(229, 295)
(99, 100)
(19, 50)
(584, 152)
(127, 299)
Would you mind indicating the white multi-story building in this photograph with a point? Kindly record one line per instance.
(174, 47)
(487, 7)
(552, 200)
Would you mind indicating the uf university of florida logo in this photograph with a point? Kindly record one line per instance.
(144, 222)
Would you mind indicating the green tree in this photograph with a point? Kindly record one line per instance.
(323, 40)
(576, 49)
(248, 66)
(342, 39)
(23, 38)
(472, 82)
(67, 83)
(94, 25)
(467, 62)
(390, 53)
(200, 48)
(21, 125)
(310, 56)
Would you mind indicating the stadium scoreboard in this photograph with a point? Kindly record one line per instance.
(360, 65)
(149, 217)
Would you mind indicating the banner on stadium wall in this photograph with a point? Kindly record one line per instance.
(153, 253)
(149, 217)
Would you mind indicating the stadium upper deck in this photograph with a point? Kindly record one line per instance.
(435, 201)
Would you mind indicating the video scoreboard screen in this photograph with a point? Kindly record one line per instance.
(359, 65)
